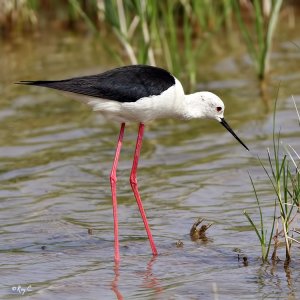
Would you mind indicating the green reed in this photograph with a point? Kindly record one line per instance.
(170, 33)
(259, 39)
(260, 230)
(283, 173)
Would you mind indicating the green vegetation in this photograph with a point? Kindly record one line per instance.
(171, 33)
(259, 47)
(284, 175)
(261, 232)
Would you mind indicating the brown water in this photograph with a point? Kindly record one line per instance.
(55, 159)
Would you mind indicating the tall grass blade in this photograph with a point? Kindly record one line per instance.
(254, 227)
(265, 61)
(298, 115)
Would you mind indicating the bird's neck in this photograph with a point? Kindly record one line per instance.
(192, 108)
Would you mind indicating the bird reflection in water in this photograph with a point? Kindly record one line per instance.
(150, 281)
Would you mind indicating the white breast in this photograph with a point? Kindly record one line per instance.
(167, 104)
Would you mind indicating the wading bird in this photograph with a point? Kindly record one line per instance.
(138, 93)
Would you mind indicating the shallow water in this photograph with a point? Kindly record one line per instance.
(55, 159)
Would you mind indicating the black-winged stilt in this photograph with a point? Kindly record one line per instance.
(138, 93)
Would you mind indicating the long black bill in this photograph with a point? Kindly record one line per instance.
(225, 124)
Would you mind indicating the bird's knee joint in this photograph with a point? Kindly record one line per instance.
(113, 179)
(133, 180)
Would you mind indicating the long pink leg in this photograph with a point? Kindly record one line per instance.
(134, 185)
(113, 184)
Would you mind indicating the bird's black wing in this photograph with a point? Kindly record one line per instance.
(124, 84)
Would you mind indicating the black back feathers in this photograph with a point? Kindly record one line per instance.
(124, 84)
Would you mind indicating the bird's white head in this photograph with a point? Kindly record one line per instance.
(207, 105)
(204, 105)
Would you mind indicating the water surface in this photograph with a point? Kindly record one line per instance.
(55, 160)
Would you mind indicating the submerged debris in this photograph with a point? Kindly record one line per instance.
(179, 244)
(245, 261)
(241, 255)
(199, 233)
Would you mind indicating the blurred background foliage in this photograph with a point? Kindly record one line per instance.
(170, 33)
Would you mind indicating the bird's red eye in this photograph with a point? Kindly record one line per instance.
(219, 108)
